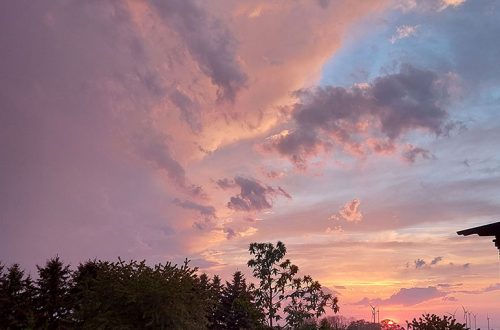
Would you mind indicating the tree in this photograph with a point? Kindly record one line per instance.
(133, 295)
(334, 322)
(53, 302)
(238, 309)
(434, 322)
(363, 325)
(280, 289)
(16, 299)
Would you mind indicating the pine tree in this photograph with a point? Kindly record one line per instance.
(16, 299)
(238, 305)
(53, 300)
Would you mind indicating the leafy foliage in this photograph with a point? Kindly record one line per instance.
(434, 322)
(363, 325)
(134, 295)
(280, 289)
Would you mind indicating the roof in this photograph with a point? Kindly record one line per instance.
(492, 229)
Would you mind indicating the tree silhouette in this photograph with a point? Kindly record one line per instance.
(53, 302)
(434, 322)
(16, 299)
(281, 290)
(237, 305)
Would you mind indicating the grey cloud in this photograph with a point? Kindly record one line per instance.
(209, 42)
(447, 285)
(350, 119)
(207, 211)
(152, 146)
(253, 196)
(419, 263)
(230, 233)
(493, 287)
(411, 153)
(436, 260)
(406, 297)
(188, 108)
(450, 299)
(225, 183)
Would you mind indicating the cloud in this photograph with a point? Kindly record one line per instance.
(406, 297)
(419, 263)
(152, 146)
(411, 153)
(351, 119)
(404, 31)
(436, 260)
(207, 211)
(253, 196)
(209, 41)
(230, 233)
(349, 212)
(493, 287)
(450, 299)
(450, 3)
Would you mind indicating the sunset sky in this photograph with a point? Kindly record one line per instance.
(362, 134)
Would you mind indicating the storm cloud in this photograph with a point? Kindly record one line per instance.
(253, 196)
(363, 118)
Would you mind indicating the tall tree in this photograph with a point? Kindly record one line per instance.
(53, 301)
(238, 305)
(16, 299)
(280, 289)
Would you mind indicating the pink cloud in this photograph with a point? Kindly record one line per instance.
(349, 212)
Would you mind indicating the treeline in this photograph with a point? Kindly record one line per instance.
(132, 295)
(124, 295)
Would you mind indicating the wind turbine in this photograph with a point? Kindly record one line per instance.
(488, 318)
(374, 313)
(453, 315)
(465, 316)
(474, 320)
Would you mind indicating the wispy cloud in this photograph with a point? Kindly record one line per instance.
(404, 31)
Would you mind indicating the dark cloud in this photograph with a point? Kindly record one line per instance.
(365, 118)
(253, 196)
(419, 263)
(207, 211)
(230, 233)
(209, 41)
(226, 183)
(436, 260)
(188, 108)
(411, 153)
(406, 297)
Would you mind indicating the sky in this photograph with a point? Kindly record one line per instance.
(361, 134)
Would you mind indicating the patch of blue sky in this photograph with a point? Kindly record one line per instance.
(373, 52)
